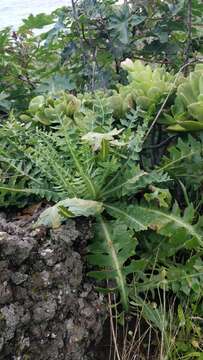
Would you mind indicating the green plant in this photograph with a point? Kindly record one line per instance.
(183, 162)
(187, 112)
(55, 60)
(116, 238)
(101, 153)
(94, 170)
(87, 170)
(46, 110)
(147, 86)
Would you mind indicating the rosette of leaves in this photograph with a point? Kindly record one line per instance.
(145, 90)
(82, 173)
(47, 109)
(95, 175)
(187, 112)
(103, 185)
(147, 86)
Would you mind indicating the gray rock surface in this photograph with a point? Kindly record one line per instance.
(48, 310)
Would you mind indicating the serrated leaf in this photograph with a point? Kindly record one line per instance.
(133, 180)
(171, 224)
(185, 161)
(112, 247)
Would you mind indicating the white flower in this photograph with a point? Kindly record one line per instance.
(95, 139)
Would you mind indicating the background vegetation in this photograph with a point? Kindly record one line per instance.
(99, 135)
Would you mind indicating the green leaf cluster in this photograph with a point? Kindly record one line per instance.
(187, 112)
(46, 110)
(147, 86)
(89, 130)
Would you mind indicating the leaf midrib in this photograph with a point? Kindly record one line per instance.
(177, 220)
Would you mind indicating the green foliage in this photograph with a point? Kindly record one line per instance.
(85, 46)
(69, 164)
(47, 110)
(54, 216)
(91, 167)
(108, 33)
(170, 224)
(79, 128)
(187, 112)
(147, 85)
(112, 247)
(36, 22)
(147, 88)
(185, 162)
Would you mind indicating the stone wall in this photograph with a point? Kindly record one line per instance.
(47, 309)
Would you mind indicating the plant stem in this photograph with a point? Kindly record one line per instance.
(189, 33)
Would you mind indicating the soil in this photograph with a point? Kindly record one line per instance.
(128, 349)
(49, 310)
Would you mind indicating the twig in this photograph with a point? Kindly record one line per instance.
(74, 9)
(189, 34)
(197, 318)
(157, 146)
(112, 328)
(153, 61)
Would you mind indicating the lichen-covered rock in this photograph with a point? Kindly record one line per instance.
(48, 311)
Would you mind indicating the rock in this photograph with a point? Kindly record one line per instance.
(5, 293)
(68, 234)
(17, 249)
(5, 272)
(18, 278)
(44, 311)
(42, 279)
(11, 320)
(1, 343)
(47, 311)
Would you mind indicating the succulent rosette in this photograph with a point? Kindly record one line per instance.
(187, 112)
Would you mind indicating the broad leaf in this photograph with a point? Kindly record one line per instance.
(55, 215)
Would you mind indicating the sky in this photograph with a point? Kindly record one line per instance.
(13, 11)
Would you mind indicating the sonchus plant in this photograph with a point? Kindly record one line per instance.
(102, 181)
(187, 112)
(104, 185)
(95, 173)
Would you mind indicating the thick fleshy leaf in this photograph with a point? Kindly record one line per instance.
(55, 215)
(189, 101)
(188, 125)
